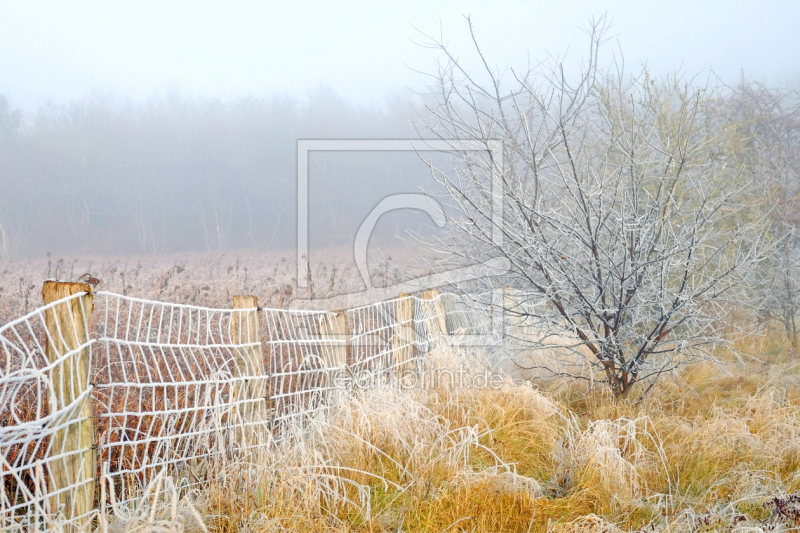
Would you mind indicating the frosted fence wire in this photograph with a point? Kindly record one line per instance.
(169, 391)
(30, 417)
(302, 360)
(425, 316)
(470, 315)
(172, 389)
(373, 337)
(384, 347)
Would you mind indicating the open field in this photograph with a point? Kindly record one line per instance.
(206, 279)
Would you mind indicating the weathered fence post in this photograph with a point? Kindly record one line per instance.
(250, 388)
(403, 338)
(67, 330)
(333, 330)
(434, 314)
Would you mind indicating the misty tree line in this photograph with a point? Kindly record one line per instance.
(102, 175)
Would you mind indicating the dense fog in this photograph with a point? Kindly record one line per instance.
(172, 174)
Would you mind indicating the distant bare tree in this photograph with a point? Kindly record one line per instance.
(9, 187)
(767, 144)
(622, 210)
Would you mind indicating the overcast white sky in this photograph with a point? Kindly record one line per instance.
(362, 50)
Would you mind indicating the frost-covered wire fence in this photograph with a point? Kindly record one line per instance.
(175, 386)
(303, 354)
(100, 391)
(45, 411)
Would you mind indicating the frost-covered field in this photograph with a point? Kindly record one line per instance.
(206, 279)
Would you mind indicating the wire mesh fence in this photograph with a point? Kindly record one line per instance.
(302, 353)
(105, 386)
(171, 389)
(44, 400)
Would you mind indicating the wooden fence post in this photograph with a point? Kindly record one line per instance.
(250, 389)
(67, 329)
(403, 338)
(334, 328)
(434, 314)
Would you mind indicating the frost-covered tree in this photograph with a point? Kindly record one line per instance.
(623, 210)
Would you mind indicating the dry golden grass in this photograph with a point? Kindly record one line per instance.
(709, 450)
